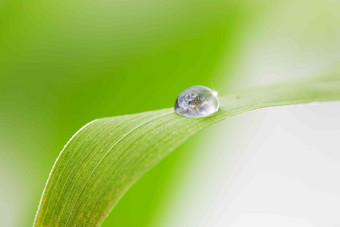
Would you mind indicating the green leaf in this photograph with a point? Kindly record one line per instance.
(105, 157)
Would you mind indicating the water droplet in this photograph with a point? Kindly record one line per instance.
(196, 101)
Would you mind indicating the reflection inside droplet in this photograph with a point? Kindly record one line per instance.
(196, 101)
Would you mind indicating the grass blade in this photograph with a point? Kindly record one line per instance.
(104, 158)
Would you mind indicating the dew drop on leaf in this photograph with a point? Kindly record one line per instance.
(196, 101)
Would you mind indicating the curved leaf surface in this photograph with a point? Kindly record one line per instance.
(104, 158)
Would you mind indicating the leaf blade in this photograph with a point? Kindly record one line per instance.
(104, 158)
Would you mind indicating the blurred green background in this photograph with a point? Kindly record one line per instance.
(65, 63)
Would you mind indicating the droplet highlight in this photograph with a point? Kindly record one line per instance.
(197, 101)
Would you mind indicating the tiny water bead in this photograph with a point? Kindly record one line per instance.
(196, 101)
